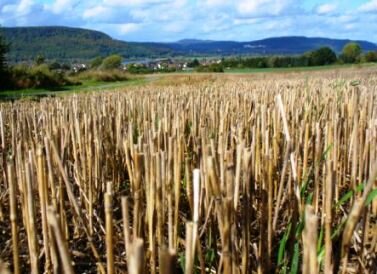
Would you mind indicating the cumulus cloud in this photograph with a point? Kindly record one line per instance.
(95, 12)
(262, 7)
(370, 6)
(134, 2)
(128, 28)
(8, 8)
(24, 7)
(217, 3)
(174, 11)
(326, 8)
(60, 6)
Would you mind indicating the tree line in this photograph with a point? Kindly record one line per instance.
(3, 65)
(351, 54)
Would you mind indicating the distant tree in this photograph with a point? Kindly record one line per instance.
(301, 61)
(262, 64)
(65, 66)
(370, 57)
(39, 60)
(273, 62)
(96, 62)
(210, 68)
(4, 48)
(138, 69)
(351, 53)
(112, 62)
(193, 64)
(54, 66)
(322, 56)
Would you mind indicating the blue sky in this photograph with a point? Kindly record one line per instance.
(171, 20)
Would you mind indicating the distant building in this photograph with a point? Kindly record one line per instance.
(79, 67)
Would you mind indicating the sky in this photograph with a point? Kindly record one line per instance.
(172, 20)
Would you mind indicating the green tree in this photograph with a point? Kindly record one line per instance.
(4, 48)
(193, 64)
(351, 53)
(370, 57)
(39, 60)
(96, 62)
(210, 68)
(112, 62)
(54, 66)
(273, 62)
(322, 56)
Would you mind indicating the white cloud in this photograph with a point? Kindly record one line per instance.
(217, 3)
(248, 7)
(174, 27)
(60, 6)
(277, 25)
(262, 7)
(369, 6)
(326, 8)
(8, 8)
(350, 26)
(95, 12)
(128, 28)
(179, 4)
(216, 23)
(24, 7)
(133, 2)
(168, 13)
(342, 19)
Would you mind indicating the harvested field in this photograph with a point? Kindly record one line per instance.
(229, 174)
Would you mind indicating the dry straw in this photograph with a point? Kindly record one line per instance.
(226, 174)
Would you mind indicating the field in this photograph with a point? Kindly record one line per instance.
(266, 173)
(86, 86)
(341, 67)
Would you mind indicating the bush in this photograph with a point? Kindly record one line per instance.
(139, 69)
(4, 80)
(103, 76)
(54, 66)
(112, 62)
(96, 62)
(370, 57)
(39, 60)
(218, 68)
(22, 77)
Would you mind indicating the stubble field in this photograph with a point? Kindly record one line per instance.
(273, 173)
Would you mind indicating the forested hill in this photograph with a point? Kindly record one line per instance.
(64, 43)
(290, 45)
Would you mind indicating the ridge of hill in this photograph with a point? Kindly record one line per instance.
(68, 44)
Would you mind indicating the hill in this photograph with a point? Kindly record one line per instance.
(270, 46)
(64, 43)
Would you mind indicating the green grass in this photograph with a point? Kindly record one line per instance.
(91, 85)
(86, 86)
(298, 69)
